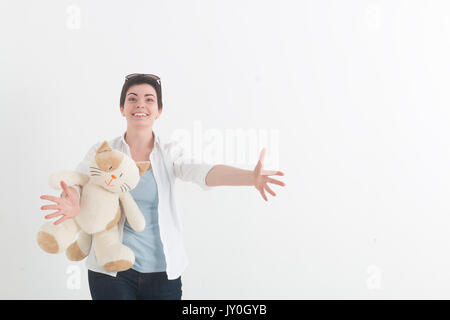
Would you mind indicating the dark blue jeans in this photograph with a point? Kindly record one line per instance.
(134, 285)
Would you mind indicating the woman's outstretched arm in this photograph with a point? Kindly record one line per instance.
(224, 175)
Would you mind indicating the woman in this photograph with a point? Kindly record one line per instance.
(160, 256)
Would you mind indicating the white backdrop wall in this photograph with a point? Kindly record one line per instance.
(350, 98)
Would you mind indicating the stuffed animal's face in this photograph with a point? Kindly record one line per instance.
(114, 170)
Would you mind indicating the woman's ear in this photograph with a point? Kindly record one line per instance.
(159, 113)
(122, 111)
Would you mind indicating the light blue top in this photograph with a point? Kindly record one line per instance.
(146, 245)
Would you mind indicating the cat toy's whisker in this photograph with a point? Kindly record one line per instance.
(129, 188)
(95, 168)
(93, 174)
(121, 188)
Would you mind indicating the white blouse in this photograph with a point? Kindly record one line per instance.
(168, 161)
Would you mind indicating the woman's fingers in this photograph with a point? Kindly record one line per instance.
(65, 188)
(262, 155)
(269, 190)
(268, 172)
(50, 207)
(51, 198)
(263, 194)
(259, 167)
(52, 215)
(275, 181)
(272, 173)
(60, 220)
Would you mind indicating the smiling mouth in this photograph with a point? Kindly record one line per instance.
(140, 115)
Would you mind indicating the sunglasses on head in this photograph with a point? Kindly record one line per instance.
(151, 76)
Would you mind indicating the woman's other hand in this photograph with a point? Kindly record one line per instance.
(261, 177)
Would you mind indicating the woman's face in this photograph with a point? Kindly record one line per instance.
(141, 105)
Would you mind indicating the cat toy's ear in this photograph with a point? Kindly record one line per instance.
(104, 147)
(143, 167)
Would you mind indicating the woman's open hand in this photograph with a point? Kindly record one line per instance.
(68, 205)
(261, 177)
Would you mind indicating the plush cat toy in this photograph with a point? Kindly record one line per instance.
(104, 197)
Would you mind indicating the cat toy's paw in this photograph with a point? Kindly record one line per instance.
(119, 265)
(47, 242)
(74, 253)
(114, 258)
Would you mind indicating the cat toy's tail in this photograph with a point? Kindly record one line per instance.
(71, 178)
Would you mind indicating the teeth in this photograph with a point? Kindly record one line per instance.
(140, 114)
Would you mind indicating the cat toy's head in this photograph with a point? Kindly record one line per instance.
(114, 170)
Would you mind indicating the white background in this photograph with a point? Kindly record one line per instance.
(358, 92)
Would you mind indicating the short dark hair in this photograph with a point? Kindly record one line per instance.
(140, 79)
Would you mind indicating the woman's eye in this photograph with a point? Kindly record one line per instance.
(149, 100)
(131, 99)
